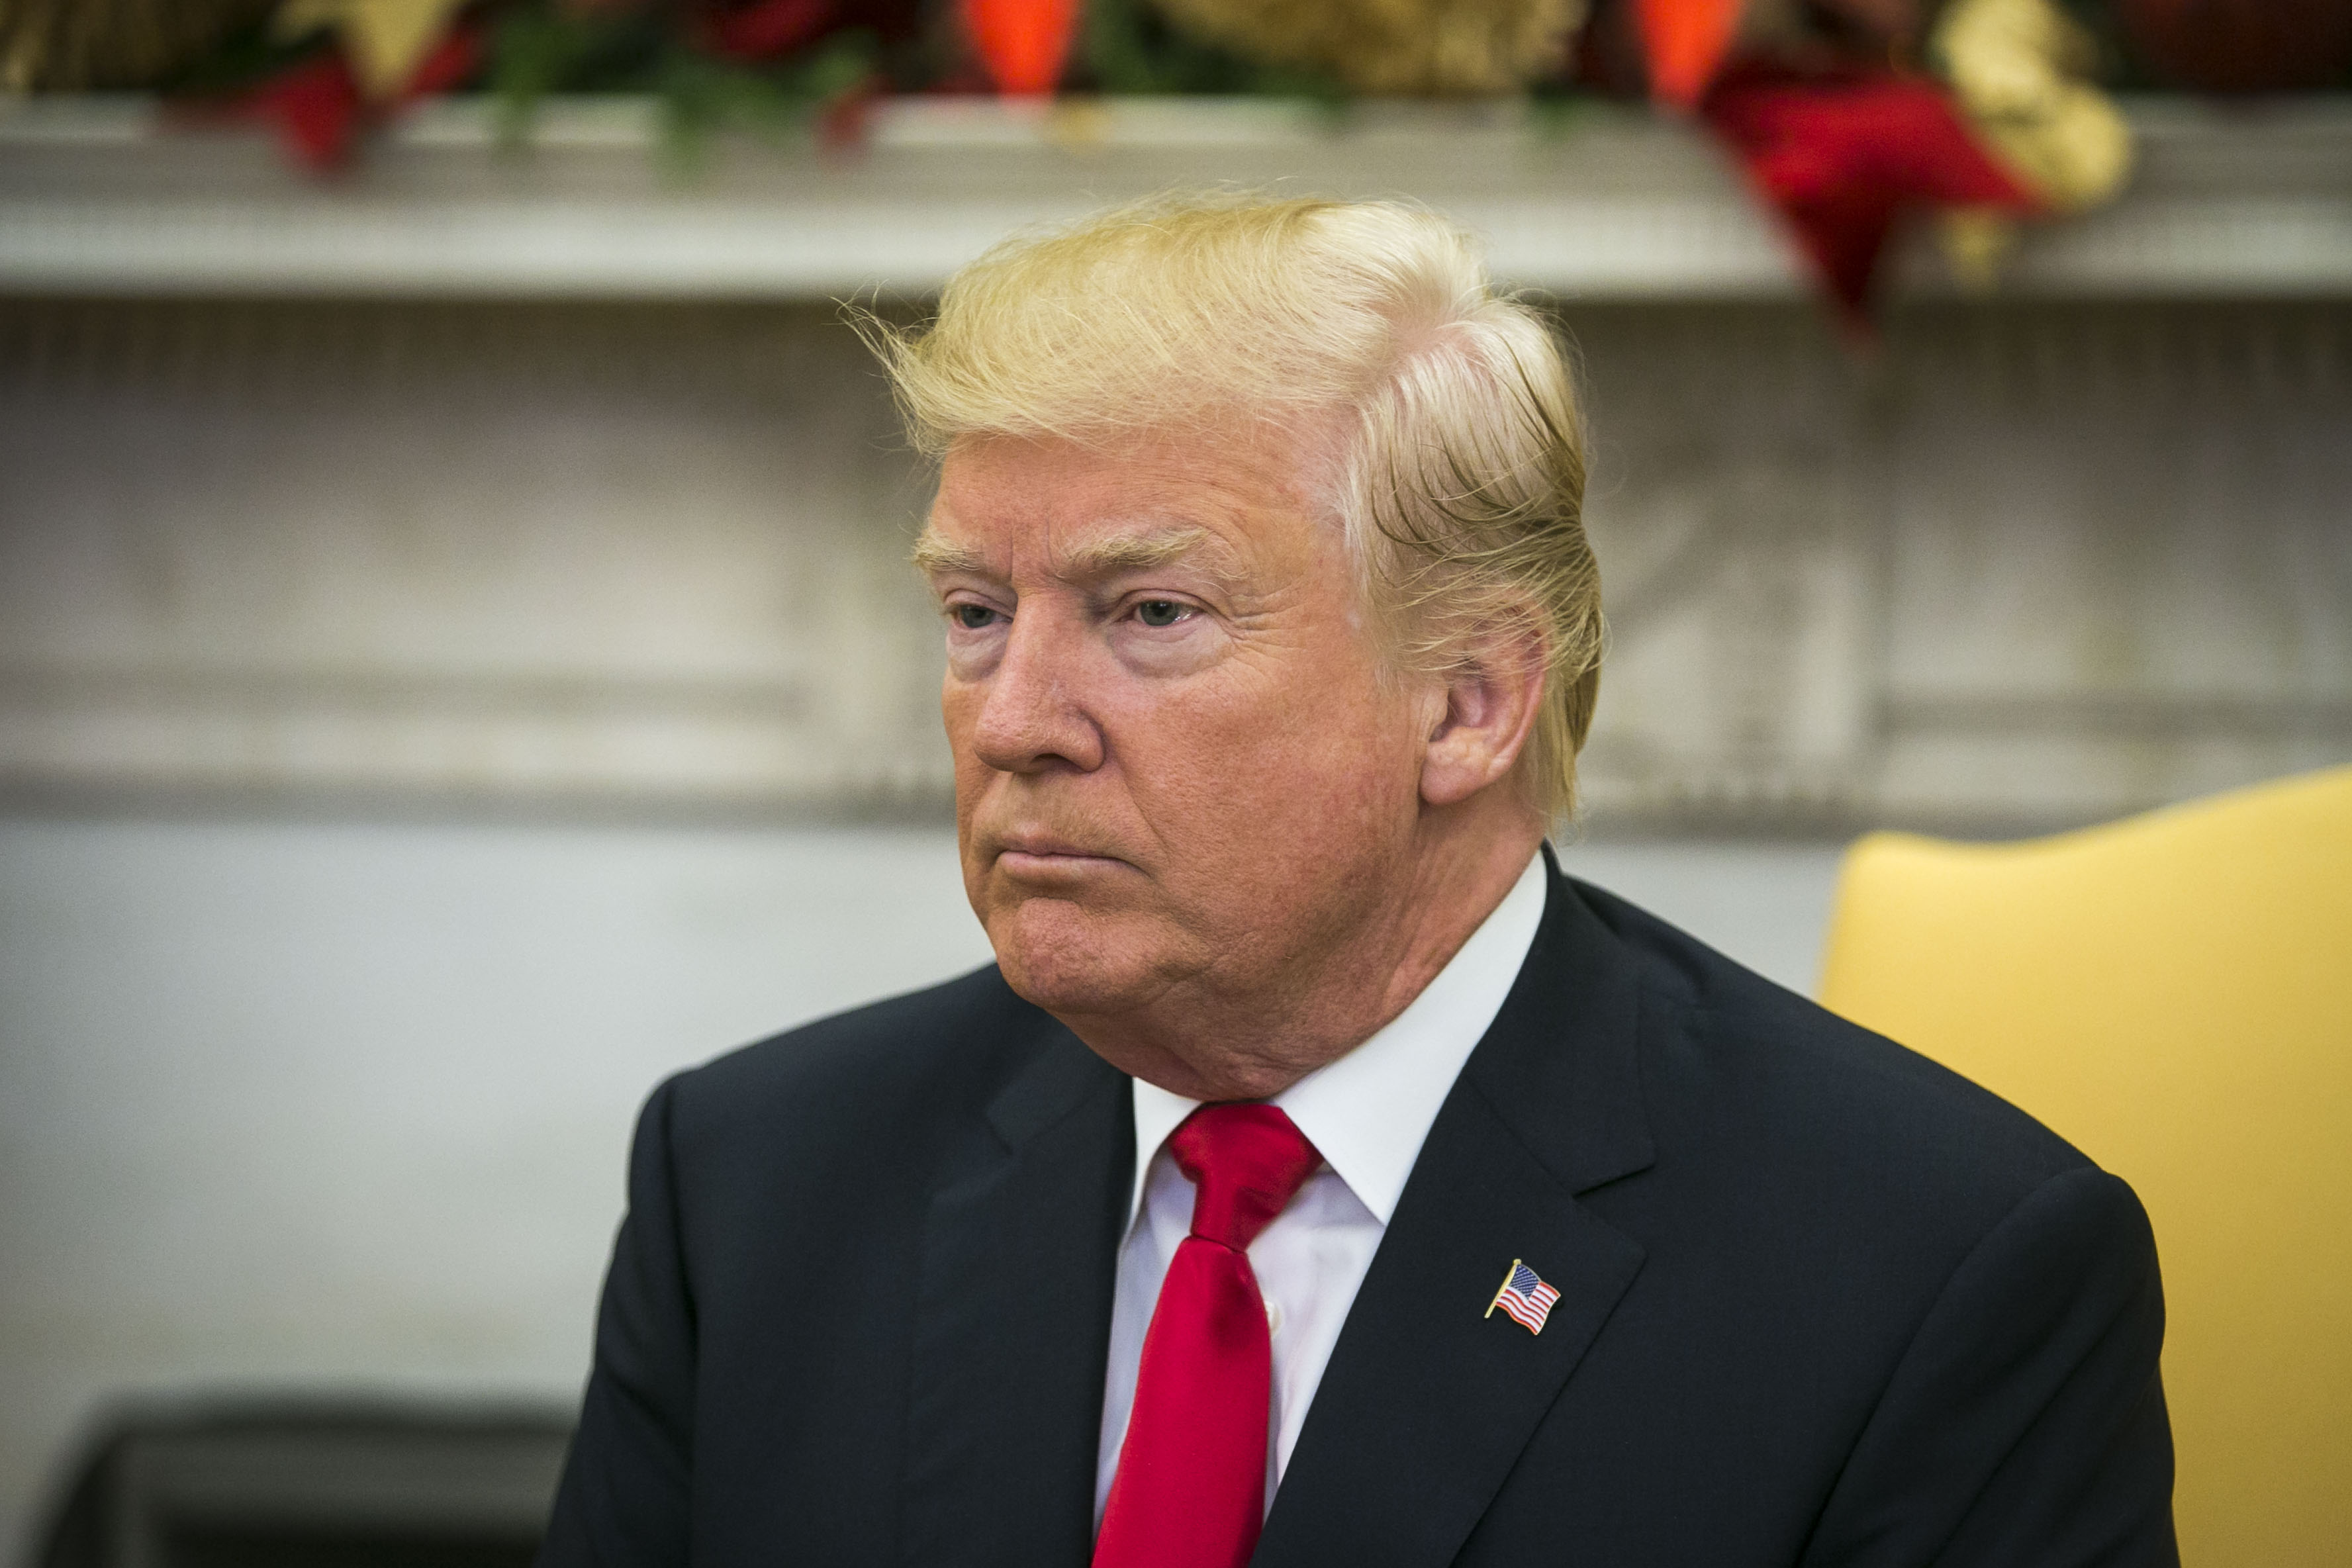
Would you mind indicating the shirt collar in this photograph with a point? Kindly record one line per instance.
(1368, 1112)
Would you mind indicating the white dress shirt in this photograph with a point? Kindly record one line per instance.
(1368, 1114)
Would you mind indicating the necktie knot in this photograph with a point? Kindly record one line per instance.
(1246, 1162)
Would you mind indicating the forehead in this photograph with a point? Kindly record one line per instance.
(1103, 507)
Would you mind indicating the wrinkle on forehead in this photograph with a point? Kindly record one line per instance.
(1195, 496)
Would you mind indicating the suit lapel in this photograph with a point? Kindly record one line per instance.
(1013, 1318)
(1426, 1403)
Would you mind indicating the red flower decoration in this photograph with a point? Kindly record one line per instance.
(320, 111)
(1844, 157)
(765, 28)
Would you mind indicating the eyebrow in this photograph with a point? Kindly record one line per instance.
(1096, 558)
(1133, 552)
(935, 556)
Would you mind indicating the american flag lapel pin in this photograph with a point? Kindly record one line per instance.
(1525, 1297)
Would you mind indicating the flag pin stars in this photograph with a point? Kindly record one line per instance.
(1524, 1297)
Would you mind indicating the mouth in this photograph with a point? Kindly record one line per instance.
(1044, 856)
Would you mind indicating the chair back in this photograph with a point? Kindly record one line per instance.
(311, 1483)
(2172, 994)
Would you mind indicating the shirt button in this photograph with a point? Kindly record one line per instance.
(1273, 1316)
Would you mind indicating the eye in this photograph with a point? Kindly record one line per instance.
(1160, 612)
(971, 617)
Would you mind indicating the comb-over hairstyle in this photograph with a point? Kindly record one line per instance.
(1459, 471)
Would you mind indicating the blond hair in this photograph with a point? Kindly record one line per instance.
(1459, 472)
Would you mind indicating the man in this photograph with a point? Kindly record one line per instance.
(1318, 1177)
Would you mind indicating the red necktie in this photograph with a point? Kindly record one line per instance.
(1189, 1492)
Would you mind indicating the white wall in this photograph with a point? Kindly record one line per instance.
(344, 1105)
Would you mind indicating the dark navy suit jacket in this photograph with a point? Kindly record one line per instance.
(1821, 1302)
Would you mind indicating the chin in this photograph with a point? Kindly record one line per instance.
(1067, 959)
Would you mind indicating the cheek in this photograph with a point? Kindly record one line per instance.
(963, 710)
(958, 707)
(959, 710)
(1254, 788)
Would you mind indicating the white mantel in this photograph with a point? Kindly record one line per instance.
(99, 195)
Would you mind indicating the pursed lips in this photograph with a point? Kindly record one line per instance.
(1019, 853)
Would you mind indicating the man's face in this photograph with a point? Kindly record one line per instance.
(1180, 772)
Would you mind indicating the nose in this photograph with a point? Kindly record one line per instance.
(1032, 717)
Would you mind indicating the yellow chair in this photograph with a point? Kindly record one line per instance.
(2173, 995)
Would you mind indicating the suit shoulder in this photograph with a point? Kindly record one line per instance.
(940, 1046)
(1791, 1077)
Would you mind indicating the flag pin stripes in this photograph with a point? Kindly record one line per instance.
(1524, 1297)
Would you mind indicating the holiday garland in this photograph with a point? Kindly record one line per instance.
(1847, 113)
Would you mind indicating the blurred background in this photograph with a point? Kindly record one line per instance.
(458, 664)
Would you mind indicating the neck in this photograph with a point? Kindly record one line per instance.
(1212, 1042)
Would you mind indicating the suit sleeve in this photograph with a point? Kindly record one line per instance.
(625, 1493)
(2025, 1423)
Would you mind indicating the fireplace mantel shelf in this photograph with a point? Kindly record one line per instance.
(98, 197)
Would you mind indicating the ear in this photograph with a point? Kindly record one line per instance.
(1492, 698)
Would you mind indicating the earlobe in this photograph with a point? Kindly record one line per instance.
(1489, 712)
